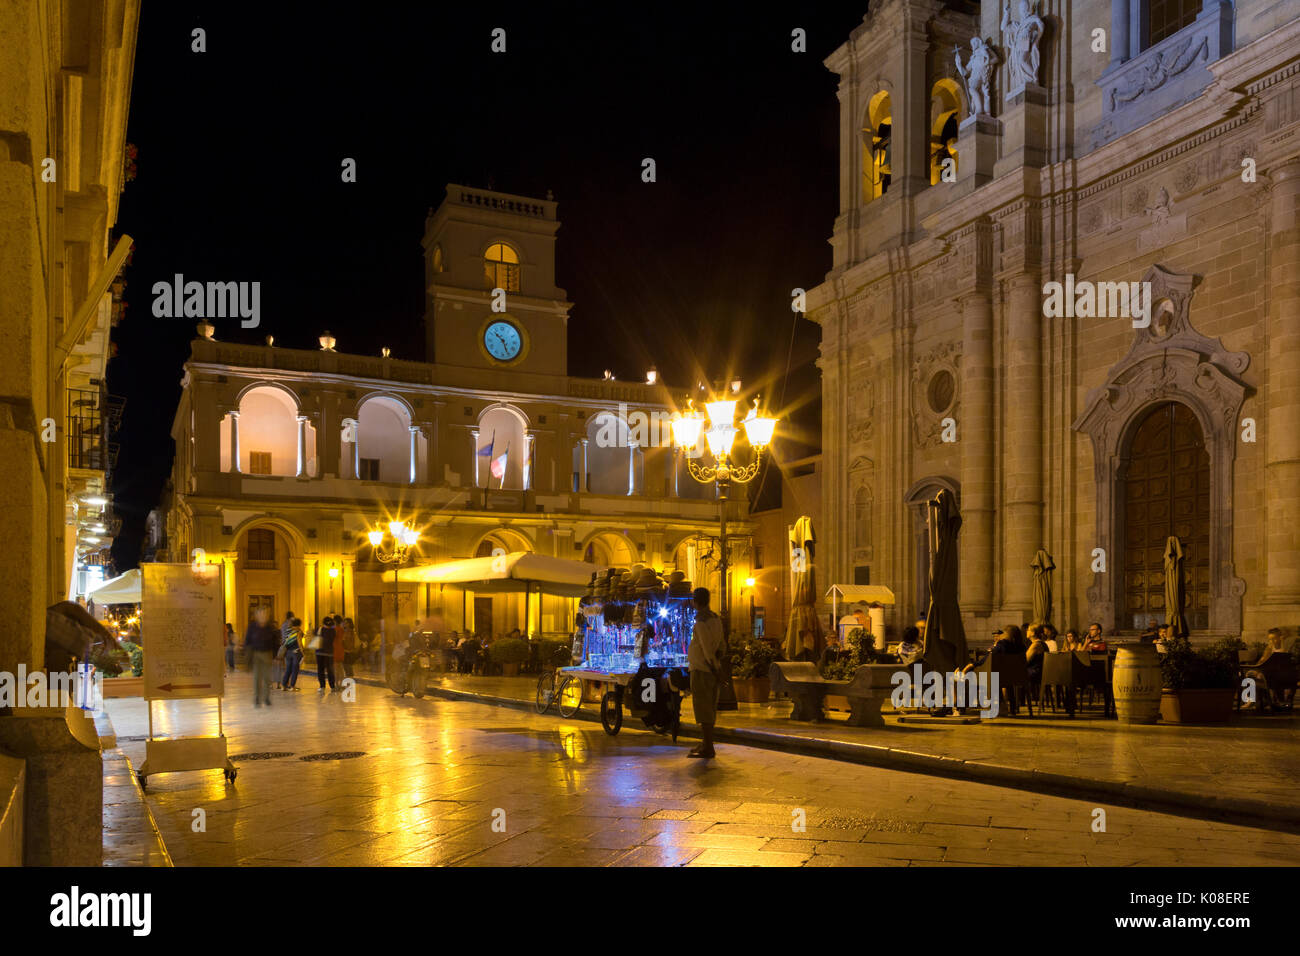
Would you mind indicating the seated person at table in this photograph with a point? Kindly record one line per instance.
(1278, 696)
(1094, 643)
(909, 650)
(1052, 636)
(808, 651)
(1034, 655)
(1008, 641)
(833, 651)
(1072, 642)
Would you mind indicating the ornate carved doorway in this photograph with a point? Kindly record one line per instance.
(1165, 491)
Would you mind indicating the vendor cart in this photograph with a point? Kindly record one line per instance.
(635, 641)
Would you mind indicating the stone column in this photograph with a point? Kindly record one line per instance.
(1282, 423)
(583, 482)
(529, 451)
(310, 592)
(415, 431)
(234, 442)
(1118, 34)
(473, 432)
(302, 446)
(631, 468)
(1022, 457)
(349, 584)
(975, 434)
(231, 593)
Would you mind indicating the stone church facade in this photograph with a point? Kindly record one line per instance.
(1129, 141)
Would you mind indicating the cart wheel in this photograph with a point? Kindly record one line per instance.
(419, 681)
(569, 696)
(545, 691)
(611, 713)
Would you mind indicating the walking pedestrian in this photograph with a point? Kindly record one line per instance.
(350, 646)
(340, 651)
(261, 642)
(230, 648)
(325, 655)
(705, 659)
(293, 651)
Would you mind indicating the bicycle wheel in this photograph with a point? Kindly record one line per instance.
(419, 681)
(569, 696)
(545, 691)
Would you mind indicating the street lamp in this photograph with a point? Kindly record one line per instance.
(403, 539)
(720, 430)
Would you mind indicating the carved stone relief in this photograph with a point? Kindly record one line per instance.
(935, 392)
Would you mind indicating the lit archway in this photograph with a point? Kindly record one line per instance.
(877, 139)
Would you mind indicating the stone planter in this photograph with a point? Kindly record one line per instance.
(123, 687)
(510, 669)
(1204, 706)
(753, 690)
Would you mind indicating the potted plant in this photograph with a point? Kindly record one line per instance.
(750, 663)
(1199, 684)
(509, 652)
(860, 652)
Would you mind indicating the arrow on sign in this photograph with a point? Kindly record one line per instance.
(171, 687)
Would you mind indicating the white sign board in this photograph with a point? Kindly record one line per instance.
(182, 629)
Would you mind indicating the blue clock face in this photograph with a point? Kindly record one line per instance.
(502, 341)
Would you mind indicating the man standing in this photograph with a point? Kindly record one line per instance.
(261, 641)
(705, 659)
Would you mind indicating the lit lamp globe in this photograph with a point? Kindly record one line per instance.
(686, 428)
(759, 428)
(376, 538)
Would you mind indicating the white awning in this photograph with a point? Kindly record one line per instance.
(123, 589)
(516, 571)
(862, 593)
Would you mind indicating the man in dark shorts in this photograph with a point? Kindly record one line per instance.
(705, 658)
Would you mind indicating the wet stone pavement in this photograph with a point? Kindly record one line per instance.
(399, 781)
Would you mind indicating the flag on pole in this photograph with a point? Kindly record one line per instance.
(486, 450)
(499, 465)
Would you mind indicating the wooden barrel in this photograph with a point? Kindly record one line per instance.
(1137, 684)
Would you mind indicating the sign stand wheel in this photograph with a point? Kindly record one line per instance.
(611, 712)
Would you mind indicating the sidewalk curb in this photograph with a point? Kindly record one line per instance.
(1234, 810)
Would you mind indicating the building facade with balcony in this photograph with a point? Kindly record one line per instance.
(1123, 141)
(287, 458)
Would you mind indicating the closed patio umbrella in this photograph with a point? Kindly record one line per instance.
(945, 635)
(1175, 587)
(1042, 566)
(803, 589)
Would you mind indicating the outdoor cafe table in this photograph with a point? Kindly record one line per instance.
(1073, 670)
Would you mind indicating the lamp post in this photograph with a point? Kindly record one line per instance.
(720, 430)
(333, 576)
(403, 539)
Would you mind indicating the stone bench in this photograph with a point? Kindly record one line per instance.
(871, 686)
(805, 686)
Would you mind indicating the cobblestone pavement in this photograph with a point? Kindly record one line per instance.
(421, 782)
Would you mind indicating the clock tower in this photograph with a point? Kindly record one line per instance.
(490, 296)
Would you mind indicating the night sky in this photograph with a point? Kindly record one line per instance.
(239, 180)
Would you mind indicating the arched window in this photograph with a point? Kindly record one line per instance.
(502, 448)
(945, 112)
(265, 435)
(612, 460)
(383, 449)
(501, 267)
(877, 134)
